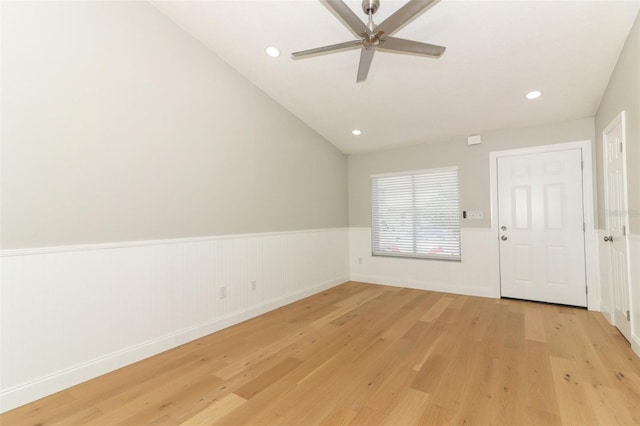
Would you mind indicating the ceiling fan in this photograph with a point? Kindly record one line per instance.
(374, 36)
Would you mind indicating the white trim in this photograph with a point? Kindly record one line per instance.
(422, 285)
(587, 205)
(148, 243)
(476, 229)
(635, 345)
(461, 228)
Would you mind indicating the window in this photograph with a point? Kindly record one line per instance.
(416, 214)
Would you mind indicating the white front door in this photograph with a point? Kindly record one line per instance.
(540, 216)
(616, 221)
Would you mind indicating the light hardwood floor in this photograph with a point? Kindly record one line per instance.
(364, 355)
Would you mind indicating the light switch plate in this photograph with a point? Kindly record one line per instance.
(476, 215)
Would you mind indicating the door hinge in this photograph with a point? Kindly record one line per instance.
(624, 230)
(584, 227)
(620, 146)
(586, 290)
(628, 316)
(582, 165)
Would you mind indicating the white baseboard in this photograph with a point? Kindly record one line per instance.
(423, 285)
(635, 345)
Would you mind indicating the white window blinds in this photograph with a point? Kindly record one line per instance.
(416, 214)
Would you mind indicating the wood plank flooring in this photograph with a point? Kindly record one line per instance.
(362, 354)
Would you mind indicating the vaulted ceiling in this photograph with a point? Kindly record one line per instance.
(497, 51)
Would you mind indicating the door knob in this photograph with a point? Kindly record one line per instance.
(609, 238)
(504, 238)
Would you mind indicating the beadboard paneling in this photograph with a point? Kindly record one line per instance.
(72, 313)
(634, 263)
(606, 306)
(476, 275)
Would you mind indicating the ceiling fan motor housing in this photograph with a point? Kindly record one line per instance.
(370, 6)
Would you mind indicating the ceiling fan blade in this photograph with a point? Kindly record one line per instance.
(403, 15)
(327, 49)
(401, 45)
(366, 56)
(347, 16)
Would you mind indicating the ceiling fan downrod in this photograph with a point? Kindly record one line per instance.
(370, 7)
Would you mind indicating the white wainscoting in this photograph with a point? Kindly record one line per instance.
(73, 313)
(634, 263)
(592, 258)
(606, 306)
(476, 275)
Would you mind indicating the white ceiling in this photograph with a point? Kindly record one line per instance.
(496, 52)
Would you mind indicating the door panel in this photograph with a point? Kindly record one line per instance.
(542, 253)
(553, 213)
(522, 207)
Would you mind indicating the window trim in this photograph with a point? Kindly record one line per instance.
(450, 258)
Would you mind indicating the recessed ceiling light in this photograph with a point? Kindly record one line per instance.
(274, 52)
(356, 132)
(533, 95)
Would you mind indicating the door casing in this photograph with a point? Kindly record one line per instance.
(593, 296)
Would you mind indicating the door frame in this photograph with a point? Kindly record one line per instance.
(590, 234)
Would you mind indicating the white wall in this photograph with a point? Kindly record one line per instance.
(69, 314)
(472, 162)
(477, 274)
(623, 94)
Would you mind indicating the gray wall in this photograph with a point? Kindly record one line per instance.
(118, 126)
(473, 163)
(623, 94)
